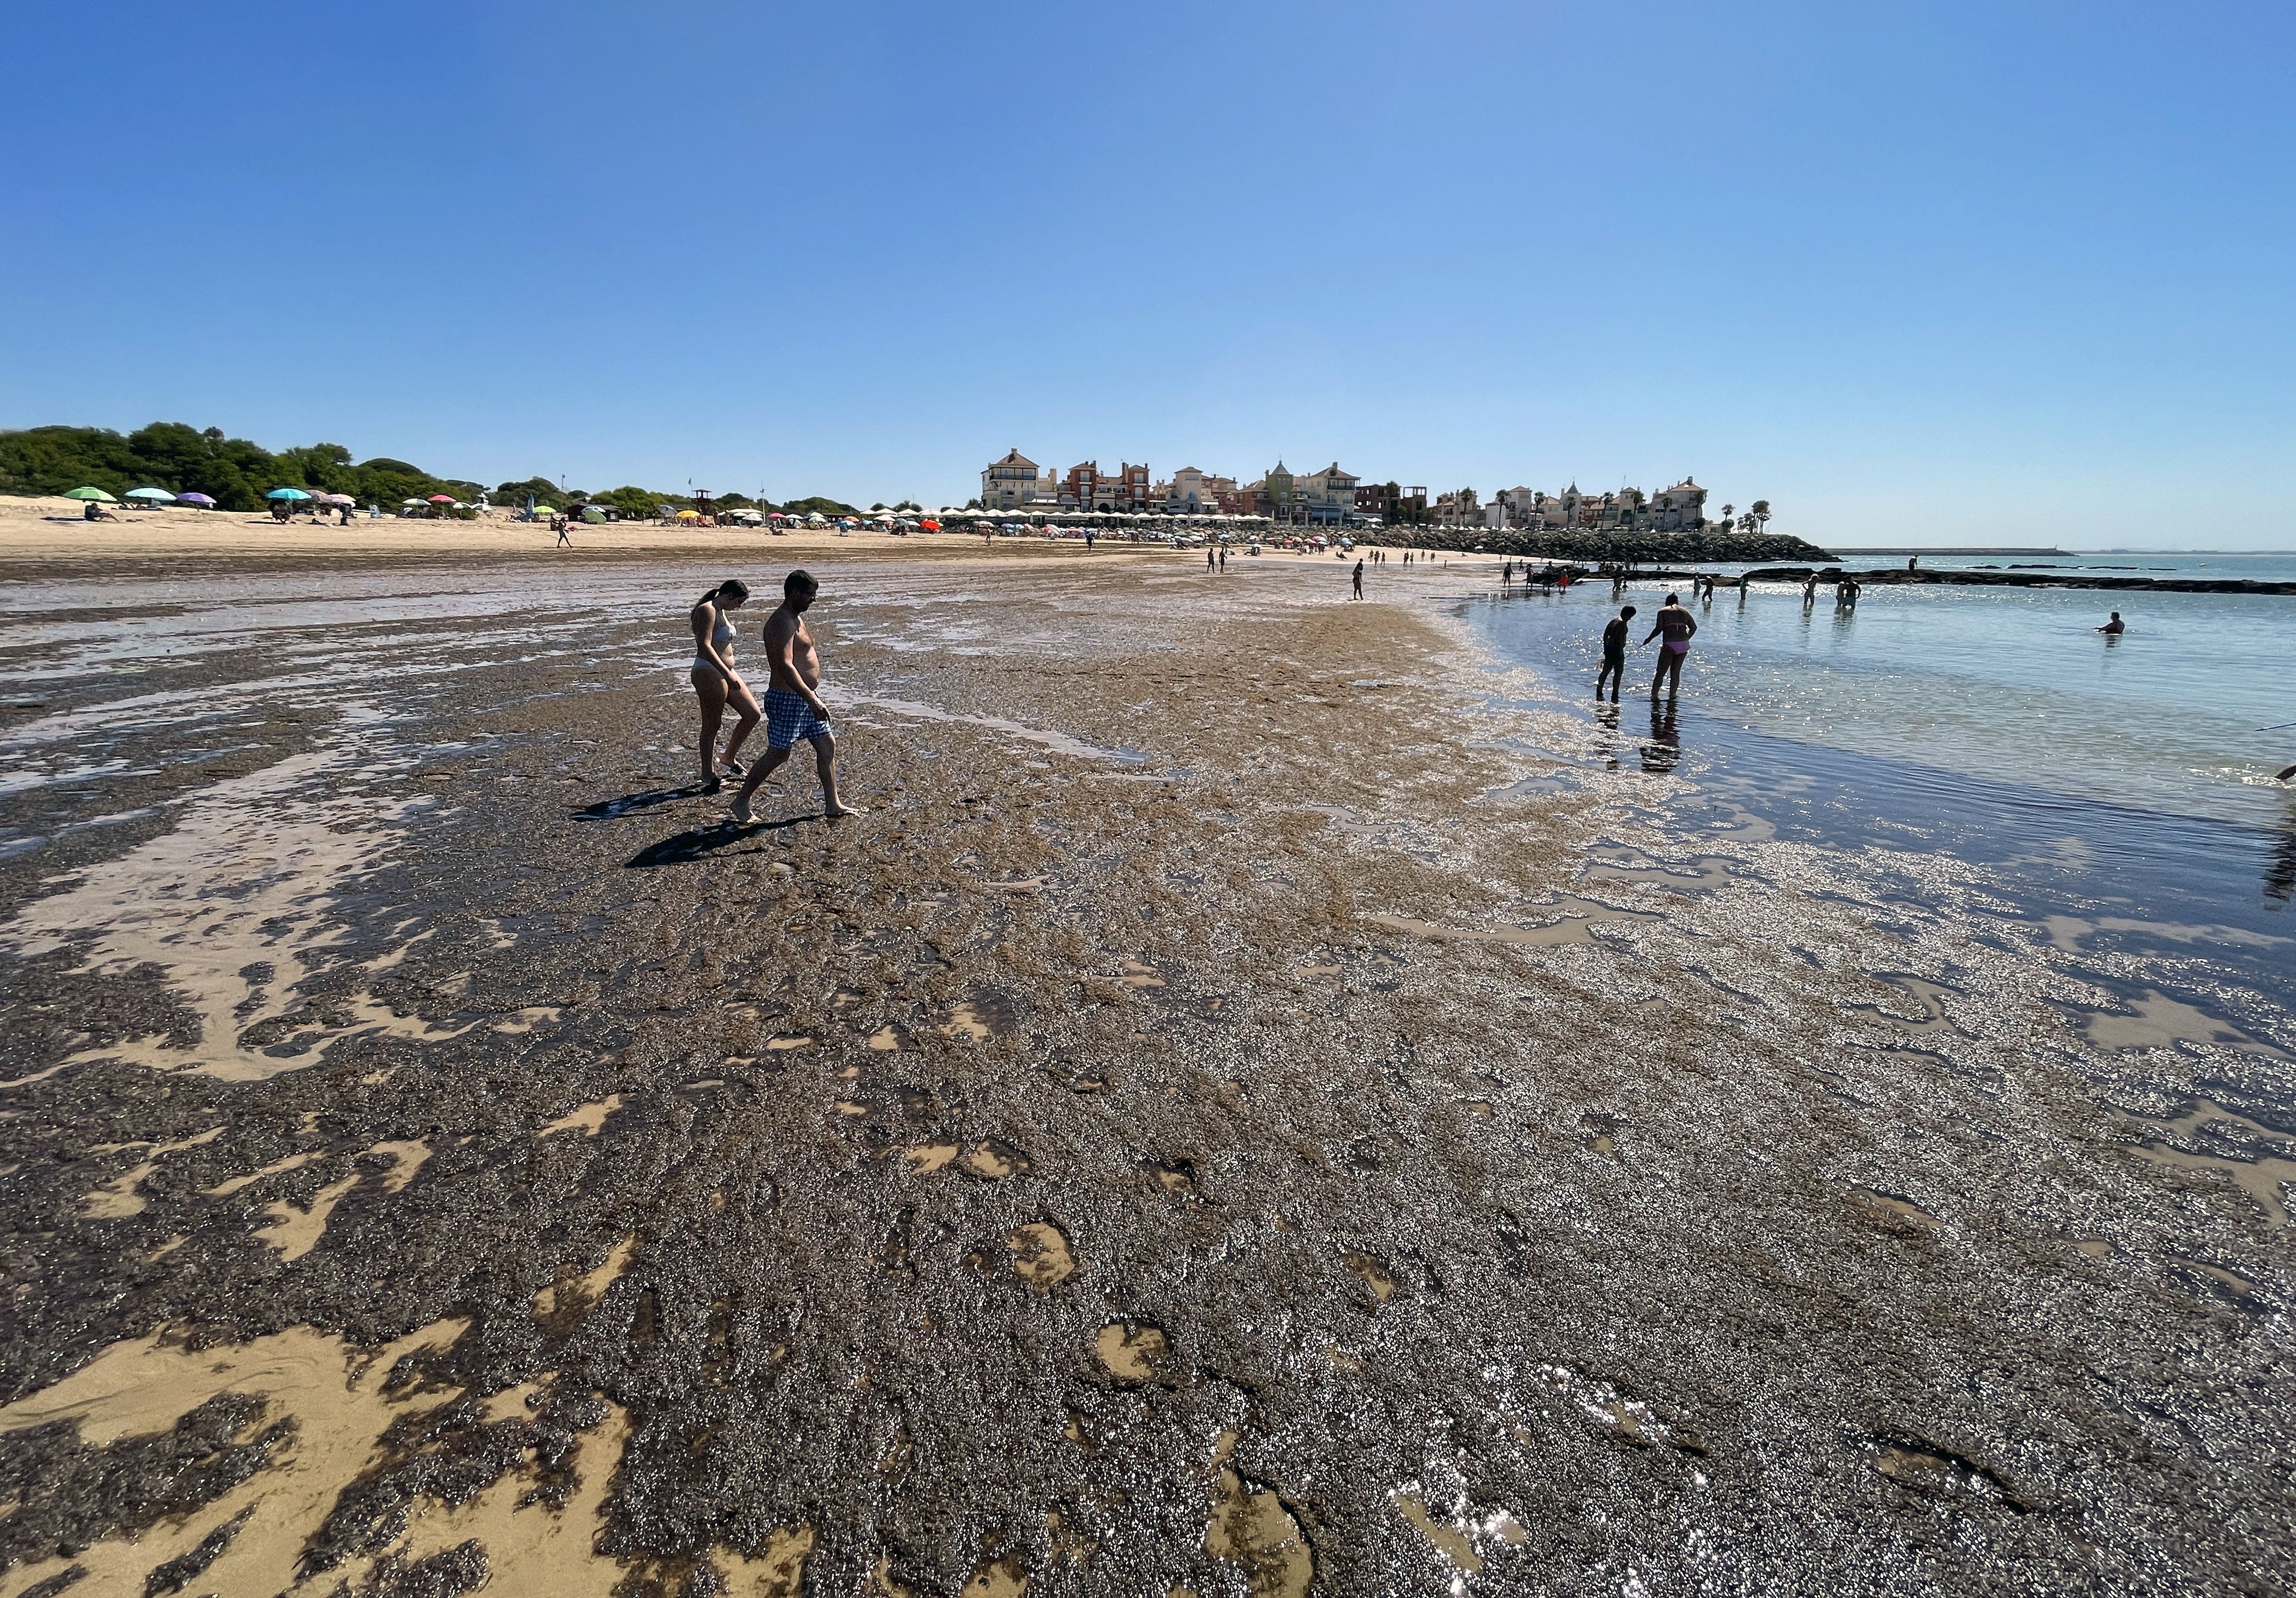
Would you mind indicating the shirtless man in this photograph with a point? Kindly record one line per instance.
(793, 705)
(2115, 627)
(1677, 624)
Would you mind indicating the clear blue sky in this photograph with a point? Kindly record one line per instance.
(1943, 271)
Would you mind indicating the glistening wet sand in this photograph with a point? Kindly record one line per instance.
(1227, 1120)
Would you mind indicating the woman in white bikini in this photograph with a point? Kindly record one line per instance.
(717, 684)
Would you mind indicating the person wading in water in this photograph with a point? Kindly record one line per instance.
(1677, 626)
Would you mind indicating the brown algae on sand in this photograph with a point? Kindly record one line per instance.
(334, 1397)
(233, 907)
(585, 1118)
(1131, 1352)
(1041, 1256)
(120, 1198)
(1252, 1528)
(295, 1228)
(994, 1159)
(570, 1296)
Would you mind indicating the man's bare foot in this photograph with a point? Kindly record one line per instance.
(742, 814)
(839, 812)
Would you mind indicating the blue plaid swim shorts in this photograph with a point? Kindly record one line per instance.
(788, 719)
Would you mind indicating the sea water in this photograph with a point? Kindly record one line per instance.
(2117, 779)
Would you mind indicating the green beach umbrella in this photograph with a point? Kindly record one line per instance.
(286, 494)
(153, 495)
(95, 494)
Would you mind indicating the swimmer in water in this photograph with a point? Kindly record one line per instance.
(2115, 627)
(1677, 626)
(717, 684)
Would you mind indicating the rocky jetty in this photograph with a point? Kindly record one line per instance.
(2021, 579)
(1592, 547)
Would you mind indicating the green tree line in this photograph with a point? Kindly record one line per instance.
(236, 473)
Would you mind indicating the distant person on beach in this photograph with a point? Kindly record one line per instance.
(1359, 566)
(2115, 627)
(717, 684)
(793, 705)
(564, 541)
(1912, 562)
(1677, 626)
(1809, 590)
(1614, 653)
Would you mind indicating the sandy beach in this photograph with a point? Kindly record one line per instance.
(1227, 1120)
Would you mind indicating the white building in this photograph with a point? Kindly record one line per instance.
(1681, 509)
(1194, 492)
(1327, 497)
(1014, 481)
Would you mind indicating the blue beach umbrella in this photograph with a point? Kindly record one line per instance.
(286, 494)
(154, 495)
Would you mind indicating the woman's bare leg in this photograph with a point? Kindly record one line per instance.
(745, 705)
(710, 689)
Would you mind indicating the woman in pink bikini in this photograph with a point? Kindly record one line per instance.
(1675, 625)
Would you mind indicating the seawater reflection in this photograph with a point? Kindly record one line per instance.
(2108, 782)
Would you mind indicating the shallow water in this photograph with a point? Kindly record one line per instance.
(2012, 686)
(2112, 795)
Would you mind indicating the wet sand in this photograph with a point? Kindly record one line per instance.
(1226, 1121)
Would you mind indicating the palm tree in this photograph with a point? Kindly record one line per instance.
(1761, 514)
(1727, 511)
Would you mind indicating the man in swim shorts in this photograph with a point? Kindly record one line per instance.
(793, 705)
(1676, 624)
(1614, 653)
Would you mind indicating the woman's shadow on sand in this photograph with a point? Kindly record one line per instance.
(696, 843)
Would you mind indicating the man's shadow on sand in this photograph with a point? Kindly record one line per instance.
(697, 843)
(612, 808)
(683, 848)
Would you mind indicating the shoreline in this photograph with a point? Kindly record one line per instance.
(1333, 1153)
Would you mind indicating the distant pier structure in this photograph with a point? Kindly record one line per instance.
(1911, 549)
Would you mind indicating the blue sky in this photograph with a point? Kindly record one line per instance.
(1946, 273)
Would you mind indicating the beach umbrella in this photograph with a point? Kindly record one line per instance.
(97, 495)
(543, 510)
(337, 499)
(194, 499)
(153, 495)
(689, 515)
(286, 494)
(593, 514)
(442, 499)
(410, 501)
